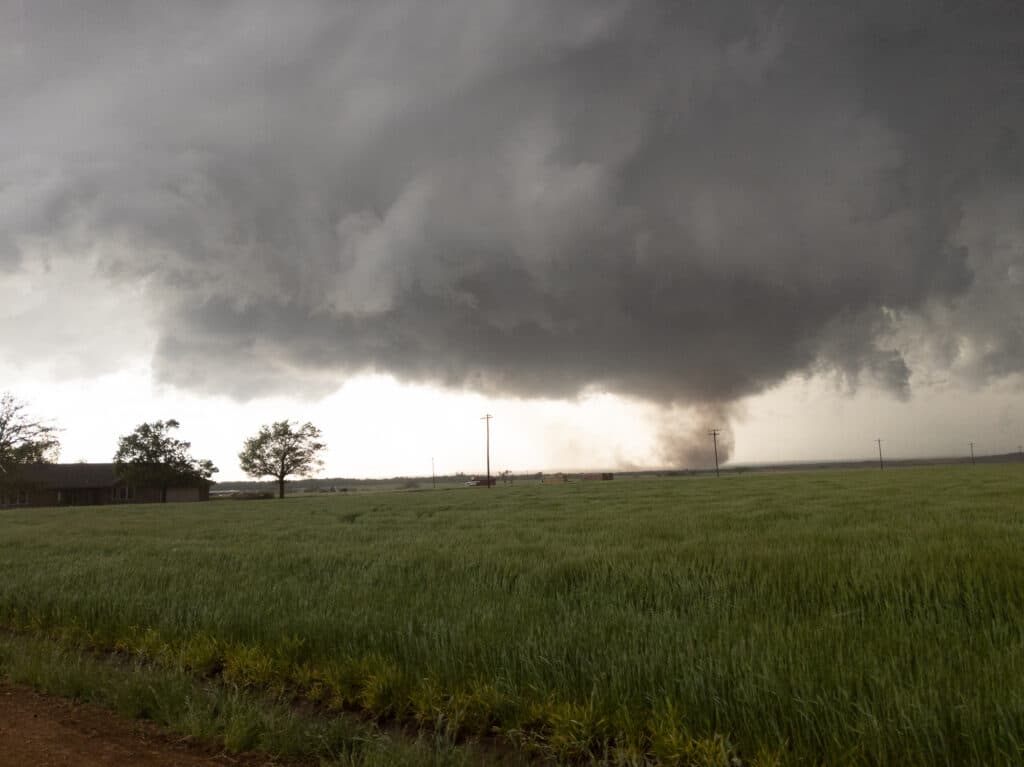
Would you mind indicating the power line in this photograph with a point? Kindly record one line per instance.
(881, 465)
(487, 419)
(714, 438)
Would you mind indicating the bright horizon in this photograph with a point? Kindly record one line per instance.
(378, 428)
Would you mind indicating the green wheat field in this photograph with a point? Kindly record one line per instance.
(828, 617)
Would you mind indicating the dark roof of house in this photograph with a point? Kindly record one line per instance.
(77, 476)
(66, 475)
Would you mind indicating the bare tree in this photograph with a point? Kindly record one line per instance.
(24, 438)
(280, 450)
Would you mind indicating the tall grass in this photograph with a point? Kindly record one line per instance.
(214, 715)
(846, 617)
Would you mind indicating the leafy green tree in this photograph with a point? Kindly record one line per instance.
(23, 437)
(282, 449)
(151, 455)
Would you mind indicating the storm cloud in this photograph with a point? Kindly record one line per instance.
(680, 202)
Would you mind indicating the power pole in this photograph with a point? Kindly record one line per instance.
(972, 453)
(487, 419)
(714, 438)
(433, 476)
(881, 466)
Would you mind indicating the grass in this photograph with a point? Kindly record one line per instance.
(840, 617)
(215, 714)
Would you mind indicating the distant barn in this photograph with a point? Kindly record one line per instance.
(86, 484)
(602, 475)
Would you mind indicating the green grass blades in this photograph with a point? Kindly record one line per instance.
(849, 617)
(217, 715)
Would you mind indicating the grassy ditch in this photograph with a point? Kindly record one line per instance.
(218, 716)
(839, 617)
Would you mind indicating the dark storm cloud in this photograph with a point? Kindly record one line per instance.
(684, 202)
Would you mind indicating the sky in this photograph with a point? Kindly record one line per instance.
(613, 224)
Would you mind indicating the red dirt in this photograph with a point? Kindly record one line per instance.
(39, 731)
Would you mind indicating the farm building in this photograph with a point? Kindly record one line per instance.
(86, 484)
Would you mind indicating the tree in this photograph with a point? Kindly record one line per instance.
(23, 437)
(151, 455)
(280, 450)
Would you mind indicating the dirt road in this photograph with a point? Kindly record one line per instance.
(38, 731)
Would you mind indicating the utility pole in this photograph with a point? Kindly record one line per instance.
(881, 466)
(433, 476)
(714, 438)
(972, 453)
(487, 419)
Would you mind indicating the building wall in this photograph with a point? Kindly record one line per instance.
(11, 497)
(98, 496)
(182, 494)
(144, 495)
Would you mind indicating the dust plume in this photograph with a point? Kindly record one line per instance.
(685, 441)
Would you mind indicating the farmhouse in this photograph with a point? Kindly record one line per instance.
(86, 484)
